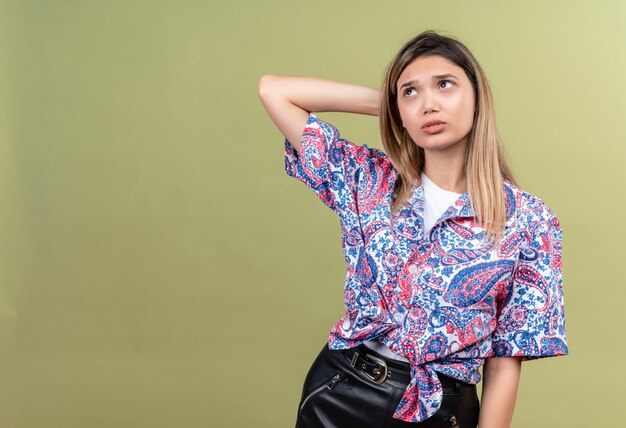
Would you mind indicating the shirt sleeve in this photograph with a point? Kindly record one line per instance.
(330, 165)
(531, 321)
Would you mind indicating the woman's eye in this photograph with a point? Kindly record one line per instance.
(446, 81)
(407, 91)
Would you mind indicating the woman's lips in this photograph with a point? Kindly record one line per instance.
(434, 129)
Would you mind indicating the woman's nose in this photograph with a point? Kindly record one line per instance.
(430, 103)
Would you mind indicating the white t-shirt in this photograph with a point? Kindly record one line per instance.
(436, 202)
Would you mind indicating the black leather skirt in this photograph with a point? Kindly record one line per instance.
(360, 388)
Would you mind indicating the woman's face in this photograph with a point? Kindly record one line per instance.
(432, 88)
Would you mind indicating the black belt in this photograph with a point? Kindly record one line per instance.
(378, 369)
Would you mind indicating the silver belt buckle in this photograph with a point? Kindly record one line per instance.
(380, 376)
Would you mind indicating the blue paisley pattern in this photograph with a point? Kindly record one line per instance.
(446, 300)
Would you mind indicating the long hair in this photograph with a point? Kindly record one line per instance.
(485, 164)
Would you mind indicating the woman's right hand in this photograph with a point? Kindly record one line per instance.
(289, 99)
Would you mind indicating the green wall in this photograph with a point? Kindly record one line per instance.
(159, 269)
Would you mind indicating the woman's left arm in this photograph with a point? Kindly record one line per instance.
(500, 381)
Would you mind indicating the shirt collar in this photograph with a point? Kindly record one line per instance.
(462, 207)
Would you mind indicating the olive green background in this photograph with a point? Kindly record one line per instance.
(159, 269)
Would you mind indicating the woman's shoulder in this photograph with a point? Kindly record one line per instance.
(526, 205)
(363, 154)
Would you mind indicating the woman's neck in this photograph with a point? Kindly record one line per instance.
(446, 171)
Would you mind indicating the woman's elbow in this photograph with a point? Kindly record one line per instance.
(266, 83)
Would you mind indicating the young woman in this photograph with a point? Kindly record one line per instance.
(450, 265)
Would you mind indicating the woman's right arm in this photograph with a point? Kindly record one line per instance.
(289, 99)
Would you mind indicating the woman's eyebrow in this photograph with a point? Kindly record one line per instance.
(438, 76)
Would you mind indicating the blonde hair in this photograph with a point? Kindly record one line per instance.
(485, 164)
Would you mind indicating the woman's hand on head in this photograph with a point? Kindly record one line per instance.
(289, 99)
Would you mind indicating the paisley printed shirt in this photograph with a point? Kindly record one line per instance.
(445, 300)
